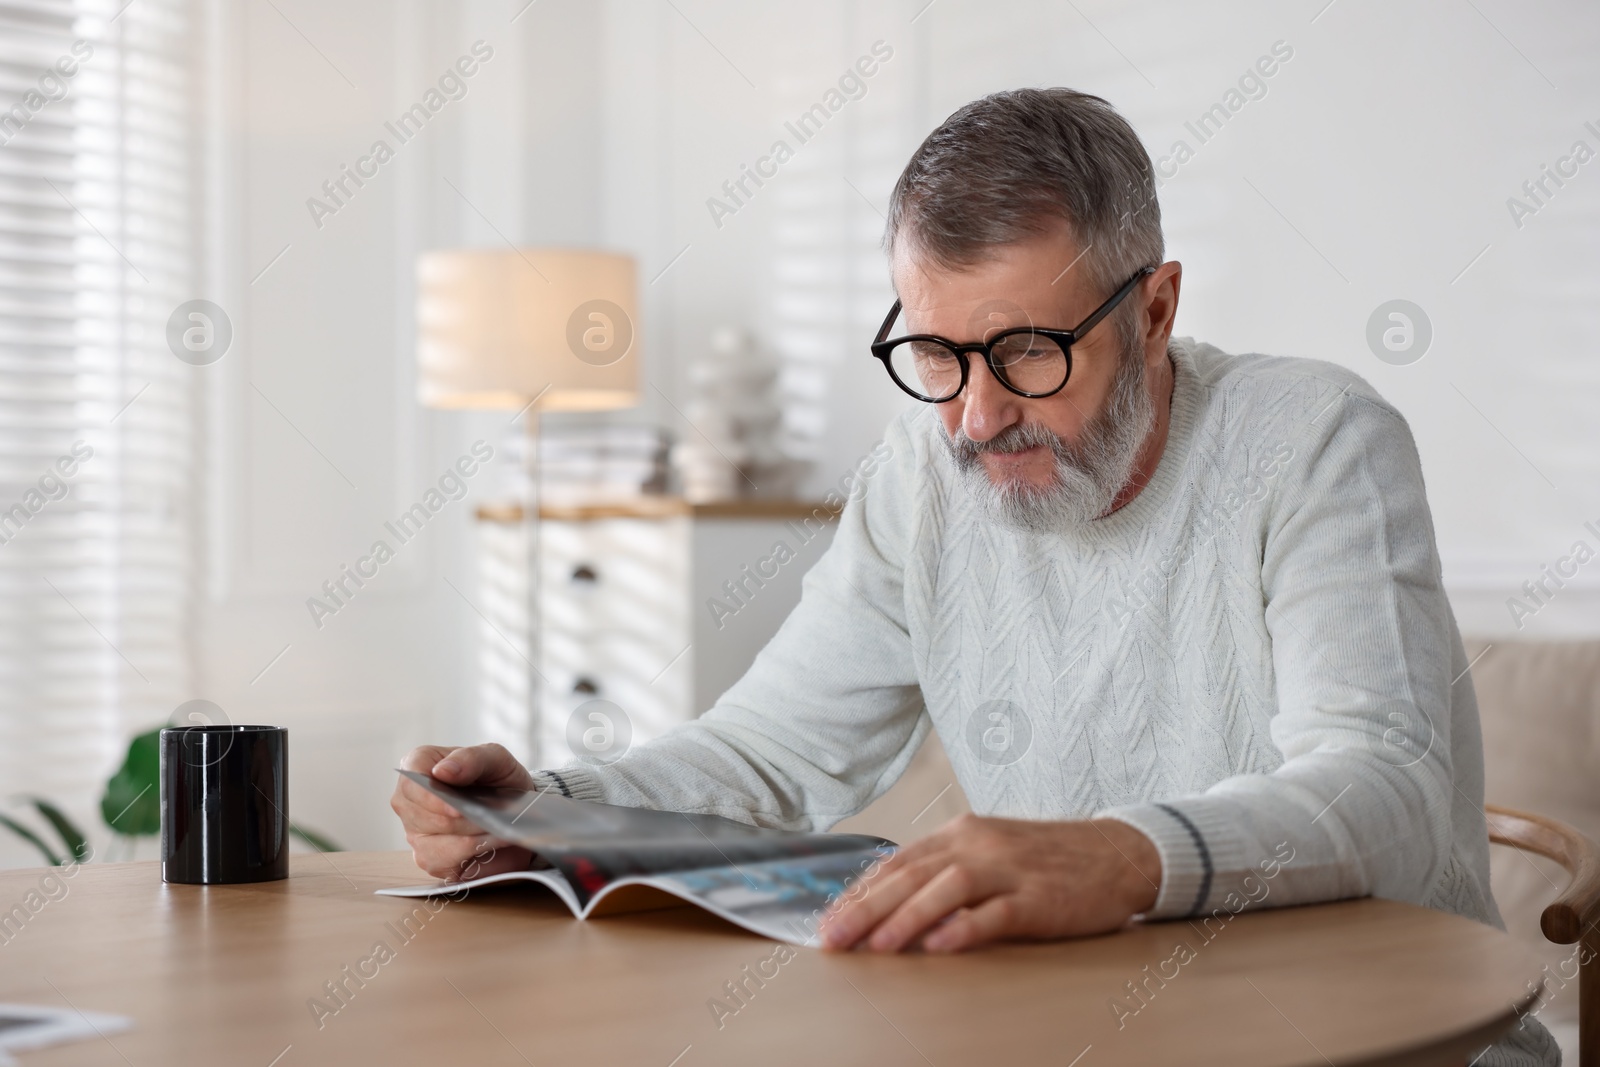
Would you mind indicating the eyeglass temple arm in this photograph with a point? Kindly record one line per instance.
(883, 331)
(1111, 305)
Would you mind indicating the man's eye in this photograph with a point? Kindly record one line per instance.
(1033, 348)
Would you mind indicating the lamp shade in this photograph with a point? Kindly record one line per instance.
(498, 328)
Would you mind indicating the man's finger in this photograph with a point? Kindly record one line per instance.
(422, 800)
(489, 764)
(461, 857)
(914, 852)
(955, 886)
(993, 920)
(501, 859)
(492, 856)
(420, 820)
(853, 919)
(422, 759)
(442, 855)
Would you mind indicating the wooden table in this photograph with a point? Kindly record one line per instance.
(224, 975)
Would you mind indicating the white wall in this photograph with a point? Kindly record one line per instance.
(314, 437)
(1377, 166)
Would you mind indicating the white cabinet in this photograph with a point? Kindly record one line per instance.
(614, 602)
(648, 614)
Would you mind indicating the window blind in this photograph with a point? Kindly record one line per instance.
(94, 409)
(829, 287)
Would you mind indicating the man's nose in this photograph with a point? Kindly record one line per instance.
(987, 406)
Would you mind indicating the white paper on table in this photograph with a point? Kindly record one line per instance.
(33, 1026)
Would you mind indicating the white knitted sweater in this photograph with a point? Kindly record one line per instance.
(1253, 662)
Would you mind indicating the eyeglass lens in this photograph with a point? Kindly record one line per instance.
(1026, 361)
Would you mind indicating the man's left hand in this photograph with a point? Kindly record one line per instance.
(978, 880)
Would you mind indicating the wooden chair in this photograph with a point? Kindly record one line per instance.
(1573, 916)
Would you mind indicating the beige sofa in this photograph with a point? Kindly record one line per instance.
(1540, 708)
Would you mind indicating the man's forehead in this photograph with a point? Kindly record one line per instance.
(1004, 290)
(1049, 263)
(973, 320)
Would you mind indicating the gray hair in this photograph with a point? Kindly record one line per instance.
(1003, 168)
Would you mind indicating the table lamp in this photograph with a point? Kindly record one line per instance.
(527, 329)
(498, 329)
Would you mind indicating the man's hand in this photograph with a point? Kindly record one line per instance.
(442, 842)
(978, 880)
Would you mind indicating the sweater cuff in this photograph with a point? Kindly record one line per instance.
(1188, 860)
(572, 781)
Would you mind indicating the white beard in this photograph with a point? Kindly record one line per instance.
(1089, 473)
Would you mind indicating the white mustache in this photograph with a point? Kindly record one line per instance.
(1018, 438)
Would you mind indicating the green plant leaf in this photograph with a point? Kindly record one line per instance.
(32, 838)
(70, 835)
(132, 801)
(314, 839)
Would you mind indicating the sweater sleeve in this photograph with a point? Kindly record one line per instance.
(1362, 640)
(829, 714)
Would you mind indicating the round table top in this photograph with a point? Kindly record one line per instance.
(235, 975)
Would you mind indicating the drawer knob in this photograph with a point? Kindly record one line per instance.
(585, 573)
(586, 686)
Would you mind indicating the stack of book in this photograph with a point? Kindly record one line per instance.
(737, 422)
(584, 463)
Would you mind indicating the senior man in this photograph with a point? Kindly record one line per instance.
(1175, 614)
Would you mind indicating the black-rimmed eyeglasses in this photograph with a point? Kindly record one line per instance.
(1028, 360)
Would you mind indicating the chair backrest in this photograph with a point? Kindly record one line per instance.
(1573, 916)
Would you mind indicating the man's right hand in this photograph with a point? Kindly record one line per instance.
(442, 842)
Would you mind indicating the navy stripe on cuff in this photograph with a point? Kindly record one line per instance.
(1205, 858)
(561, 785)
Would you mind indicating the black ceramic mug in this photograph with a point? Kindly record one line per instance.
(224, 804)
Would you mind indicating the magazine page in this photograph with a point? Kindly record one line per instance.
(783, 899)
(552, 879)
(594, 844)
(778, 898)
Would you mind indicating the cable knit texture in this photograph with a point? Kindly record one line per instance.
(1253, 662)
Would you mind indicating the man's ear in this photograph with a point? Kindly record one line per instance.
(1161, 306)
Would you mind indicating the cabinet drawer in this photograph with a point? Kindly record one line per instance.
(614, 575)
(614, 607)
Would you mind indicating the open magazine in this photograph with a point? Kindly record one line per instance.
(602, 859)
